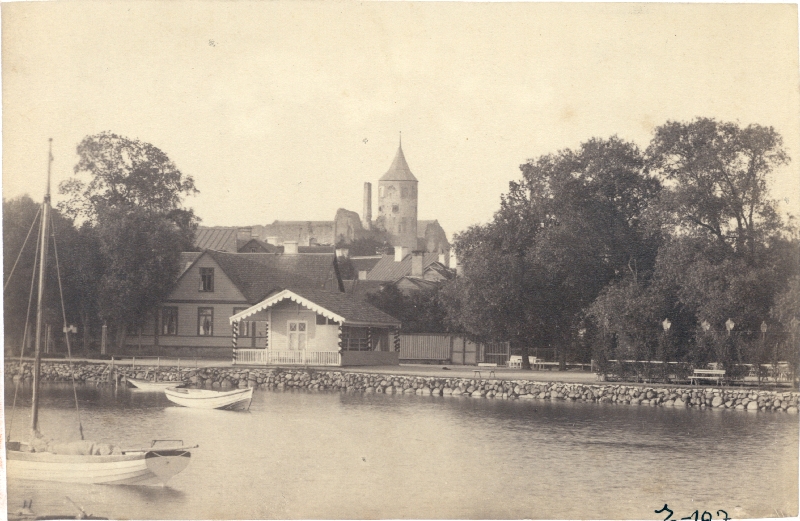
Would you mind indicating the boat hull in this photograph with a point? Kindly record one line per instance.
(237, 400)
(151, 386)
(139, 468)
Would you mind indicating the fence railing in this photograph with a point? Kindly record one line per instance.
(302, 357)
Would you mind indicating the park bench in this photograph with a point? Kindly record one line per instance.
(707, 374)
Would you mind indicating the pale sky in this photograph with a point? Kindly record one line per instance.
(283, 110)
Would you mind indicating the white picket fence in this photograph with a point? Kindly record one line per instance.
(271, 356)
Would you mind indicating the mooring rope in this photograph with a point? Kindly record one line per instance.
(66, 332)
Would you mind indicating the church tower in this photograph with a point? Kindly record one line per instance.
(397, 202)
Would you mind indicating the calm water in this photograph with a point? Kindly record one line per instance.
(330, 455)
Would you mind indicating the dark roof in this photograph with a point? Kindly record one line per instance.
(259, 274)
(187, 259)
(399, 170)
(216, 238)
(417, 283)
(359, 289)
(388, 270)
(354, 311)
(316, 249)
(243, 246)
(364, 263)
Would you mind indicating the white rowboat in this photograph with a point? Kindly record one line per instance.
(236, 400)
(150, 385)
(141, 467)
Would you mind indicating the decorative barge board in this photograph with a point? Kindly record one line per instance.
(319, 328)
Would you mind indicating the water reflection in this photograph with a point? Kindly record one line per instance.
(300, 454)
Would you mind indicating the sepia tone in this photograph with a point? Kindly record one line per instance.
(328, 334)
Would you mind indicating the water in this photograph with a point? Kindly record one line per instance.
(327, 455)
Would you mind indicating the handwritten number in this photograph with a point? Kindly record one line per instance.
(665, 509)
(690, 516)
(704, 518)
(726, 515)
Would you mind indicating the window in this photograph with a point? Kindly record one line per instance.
(401, 228)
(395, 208)
(355, 339)
(380, 192)
(246, 327)
(169, 320)
(404, 192)
(206, 279)
(298, 336)
(205, 321)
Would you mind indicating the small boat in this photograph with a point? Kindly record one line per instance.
(151, 466)
(236, 400)
(152, 386)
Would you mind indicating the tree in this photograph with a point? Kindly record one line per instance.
(77, 265)
(718, 174)
(125, 173)
(419, 312)
(132, 214)
(572, 224)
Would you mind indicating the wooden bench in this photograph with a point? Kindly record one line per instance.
(707, 374)
(485, 366)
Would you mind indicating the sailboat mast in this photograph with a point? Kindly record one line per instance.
(37, 361)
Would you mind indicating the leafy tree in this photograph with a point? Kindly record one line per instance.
(141, 251)
(718, 173)
(419, 312)
(133, 216)
(75, 256)
(125, 173)
(572, 224)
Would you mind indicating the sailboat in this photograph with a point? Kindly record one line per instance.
(83, 461)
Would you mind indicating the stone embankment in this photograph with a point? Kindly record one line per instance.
(332, 380)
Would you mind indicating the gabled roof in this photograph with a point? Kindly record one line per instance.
(335, 306)
(243, 246)
(216, 238)
(388, 270)
(257, 275)
(365, 263)
(187, 259)
(399, 170)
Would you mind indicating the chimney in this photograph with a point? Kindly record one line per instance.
(416, 263)
(244, 233)
(400, 253)
(343, 252)
(367, 206)
(290, 247)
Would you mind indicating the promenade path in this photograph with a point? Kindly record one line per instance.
(423, 370)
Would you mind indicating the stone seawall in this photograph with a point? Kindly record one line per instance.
(345, 381)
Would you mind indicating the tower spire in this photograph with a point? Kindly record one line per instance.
(401, 139)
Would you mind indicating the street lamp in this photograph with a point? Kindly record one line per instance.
(729, 324)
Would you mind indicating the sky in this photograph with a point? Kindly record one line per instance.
(283, 110)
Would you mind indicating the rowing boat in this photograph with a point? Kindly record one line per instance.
(236, 400)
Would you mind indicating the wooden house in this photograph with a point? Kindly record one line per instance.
(213, 286)
(315, 327)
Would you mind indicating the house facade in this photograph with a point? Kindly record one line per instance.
(312, 327)
(213, 286)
